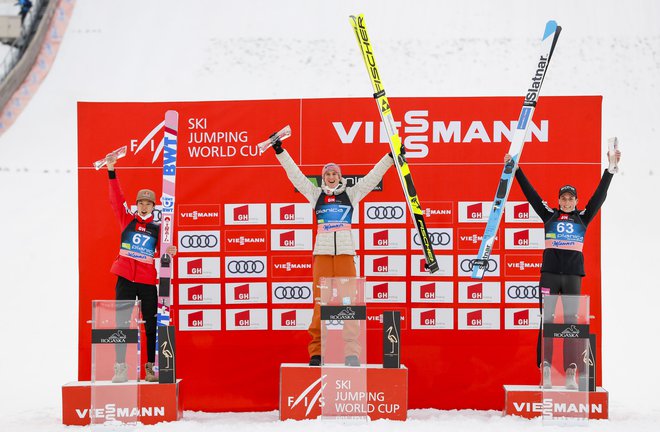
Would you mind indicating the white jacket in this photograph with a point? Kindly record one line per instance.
(338, 242)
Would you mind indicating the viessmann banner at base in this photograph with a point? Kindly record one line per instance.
(243, 275)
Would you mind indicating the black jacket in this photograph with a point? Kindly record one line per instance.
(558, 260)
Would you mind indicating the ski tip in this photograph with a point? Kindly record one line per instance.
(171, 115)
(550, 28)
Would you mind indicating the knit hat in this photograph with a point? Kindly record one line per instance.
(146, 194)
(568, 189)
(331, 166)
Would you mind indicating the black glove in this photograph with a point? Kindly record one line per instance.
(403, 152)
(277, 144)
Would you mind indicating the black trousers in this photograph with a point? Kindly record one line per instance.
(554, 284)
(148, 295)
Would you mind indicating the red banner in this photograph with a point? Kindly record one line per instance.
(241, 226)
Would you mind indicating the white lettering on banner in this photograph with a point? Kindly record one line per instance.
(111, 411)
(557, 407)
(206, 152)
(419, 131)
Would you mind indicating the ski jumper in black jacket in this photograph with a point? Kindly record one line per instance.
(563, 263)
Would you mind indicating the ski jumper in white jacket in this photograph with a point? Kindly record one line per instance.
(334, 248)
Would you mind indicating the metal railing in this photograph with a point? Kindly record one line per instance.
(20, 44)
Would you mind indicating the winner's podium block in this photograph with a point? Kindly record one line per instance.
(528, 401)
(301, 395)
(157, 403)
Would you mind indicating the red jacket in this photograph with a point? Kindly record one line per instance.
(139, 240)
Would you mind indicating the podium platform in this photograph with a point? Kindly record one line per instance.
(301, 388)
(527, 401)
(158, 403)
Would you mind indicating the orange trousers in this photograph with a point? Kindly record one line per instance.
(332, 266)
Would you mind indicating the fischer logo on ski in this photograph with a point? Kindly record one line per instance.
(549, 41)
(360, 29)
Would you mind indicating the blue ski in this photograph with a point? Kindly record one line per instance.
(549, 40)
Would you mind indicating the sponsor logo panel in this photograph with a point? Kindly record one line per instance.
(521, 291)
(437, 212)
(524, 238)
(198, 268)
(245, 214)
(199, 214)
(245, 240)
(474, 211)
(199, 241)
(520, 211)
(432, 318)
(246, 319)
(385, 265)
(466, 264)
(292, 266)
(470, 239)
(522, 319)
(375, 316)
(291, 213)
(246, 292)
(196, 294)
(479, 292)
(300, 239)
(292, 319)
(292, 292)
(245, 267)
(432, 292)
(523, 265)
(440, 238)
(445, 265)
(198, 320)
(384, 212)
(385, 292)
(478, 319)
(375, 239)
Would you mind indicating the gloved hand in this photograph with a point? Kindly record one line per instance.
(277, 144)
(403, 152)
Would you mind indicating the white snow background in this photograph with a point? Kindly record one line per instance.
(176, 50)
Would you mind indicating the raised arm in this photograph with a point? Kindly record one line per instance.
(297, 178)
(531, 195)
(369, 182)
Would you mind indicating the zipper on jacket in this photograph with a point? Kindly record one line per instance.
(335, 242)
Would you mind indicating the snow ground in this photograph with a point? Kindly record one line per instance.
(122, 50)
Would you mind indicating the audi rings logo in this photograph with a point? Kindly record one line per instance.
(523, 292)
(334, 322)
(468, 264)
(292, 292)
(385, 212)
(245, 266)
(199, 241)
(436, 239)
